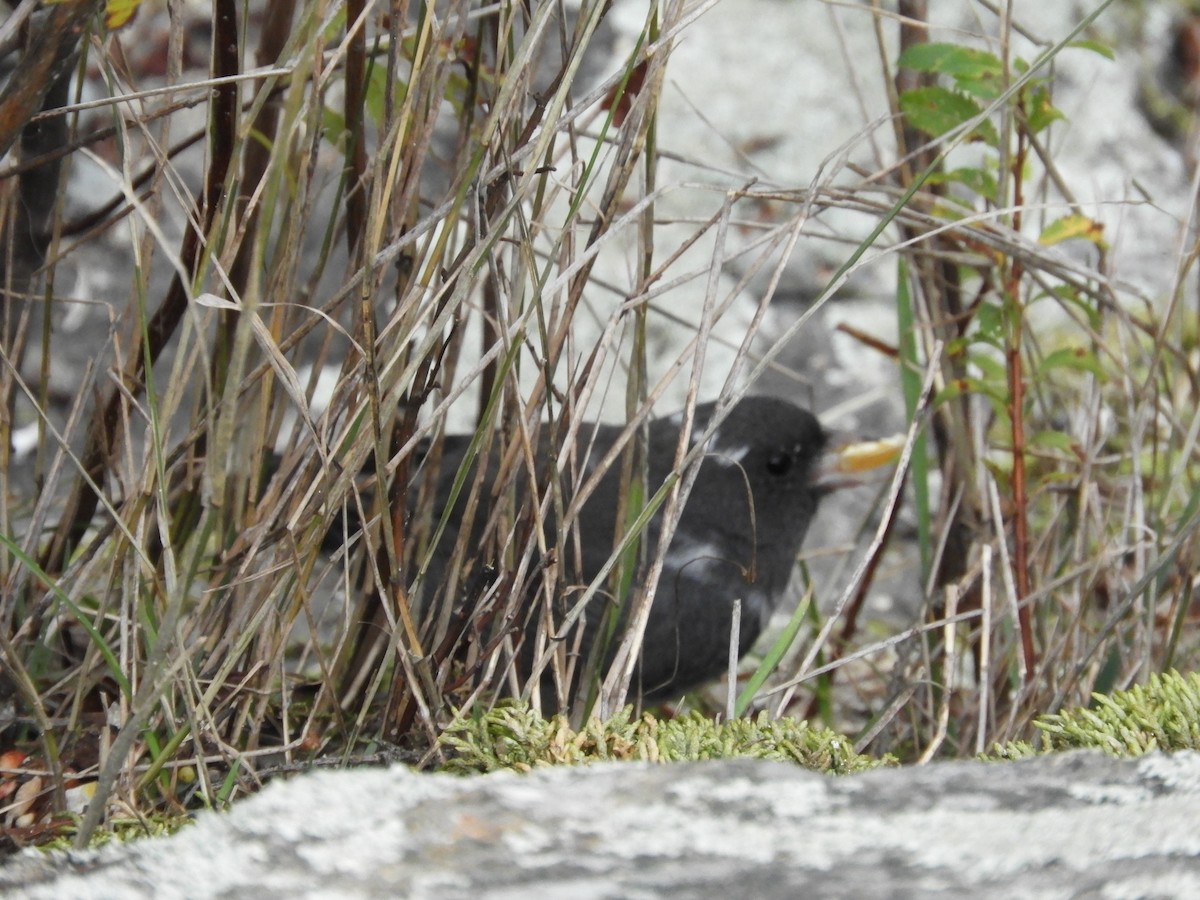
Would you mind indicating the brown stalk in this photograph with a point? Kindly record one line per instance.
(354, 110)
(946, 317)
(1016, 406)
(102, 434)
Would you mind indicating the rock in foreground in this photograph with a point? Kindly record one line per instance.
(1060, 826)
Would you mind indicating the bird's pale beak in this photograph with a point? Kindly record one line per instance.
(845, 460)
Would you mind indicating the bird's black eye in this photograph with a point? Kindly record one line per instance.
(779, 463)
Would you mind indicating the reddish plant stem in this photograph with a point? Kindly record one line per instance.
(1016, 404)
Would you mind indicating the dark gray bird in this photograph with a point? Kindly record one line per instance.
(737, 539)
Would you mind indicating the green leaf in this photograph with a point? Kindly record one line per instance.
(938, 111)
(1040, 111)
(960, 386)
(978, 181)
(1096, 47)
(991, 369)
(1052, 440)
(950, 59)
(956, 347)
(989, 321)
(1073, 226)
(975, 71)
(1085, 303)
(333, 123)
(1077, 358)
(375, 97)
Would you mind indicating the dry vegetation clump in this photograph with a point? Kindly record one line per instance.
(349, 222)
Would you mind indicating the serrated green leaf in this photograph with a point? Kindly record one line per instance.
(950, 59)
(976, 72)
(938, 111)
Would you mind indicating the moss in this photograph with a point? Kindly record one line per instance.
(1163, 714)
(515, 737)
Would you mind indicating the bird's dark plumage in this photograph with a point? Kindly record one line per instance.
(738, 536)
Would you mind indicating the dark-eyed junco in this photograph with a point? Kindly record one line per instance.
(737, 538)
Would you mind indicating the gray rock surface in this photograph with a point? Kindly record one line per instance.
(1076, 825)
